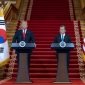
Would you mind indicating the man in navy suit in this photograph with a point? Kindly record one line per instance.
(23, 34)
(62, 36)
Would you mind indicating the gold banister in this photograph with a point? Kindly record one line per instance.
(6, 8)
(10, 11)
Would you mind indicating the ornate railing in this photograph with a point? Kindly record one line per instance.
(79, 51)
(72, 16)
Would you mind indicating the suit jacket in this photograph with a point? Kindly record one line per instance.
(66, 39)
(29, 38)
(58, 40)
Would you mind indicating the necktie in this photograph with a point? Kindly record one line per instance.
(24, 34)
(62, 37)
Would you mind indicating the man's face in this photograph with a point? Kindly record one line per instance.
(62, 30)
(24, 25)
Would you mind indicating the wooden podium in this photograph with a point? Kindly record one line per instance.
(23, 70)
(62, 75)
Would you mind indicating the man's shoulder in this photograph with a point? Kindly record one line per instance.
(18, 31)
(67, 35)
(58, 34)
(29, 31)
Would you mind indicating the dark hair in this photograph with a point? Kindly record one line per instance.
(62, 26)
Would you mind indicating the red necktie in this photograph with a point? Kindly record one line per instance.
(24, 34)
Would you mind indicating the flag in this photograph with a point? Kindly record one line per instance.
(83, 53)
(4, 50)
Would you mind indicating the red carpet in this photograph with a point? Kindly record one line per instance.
(47, 16)
(44, 82)
(50, 9)
(43, 59)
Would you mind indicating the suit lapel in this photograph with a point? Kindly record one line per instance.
(26, 34)
(60, 37)
(65, 37)
(21, 33)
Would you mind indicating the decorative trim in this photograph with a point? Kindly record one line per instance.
(79, 51)
(71, 9)
(11, 67)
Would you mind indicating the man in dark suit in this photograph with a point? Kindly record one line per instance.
(23, 34)
(62, 36)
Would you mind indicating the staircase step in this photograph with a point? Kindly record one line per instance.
(47, 70)
(43, 59)
(49, 75)
(50, 65)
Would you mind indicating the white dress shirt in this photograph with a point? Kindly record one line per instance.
(24, 31)
(62, 35)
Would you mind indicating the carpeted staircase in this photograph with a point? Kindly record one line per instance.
(46, 18)
(50, 10)
(43, 59)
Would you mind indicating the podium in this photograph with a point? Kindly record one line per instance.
(62, 75)
(23, 70)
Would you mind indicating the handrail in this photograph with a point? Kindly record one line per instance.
(8, 9)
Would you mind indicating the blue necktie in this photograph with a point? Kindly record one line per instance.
(62, 37)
